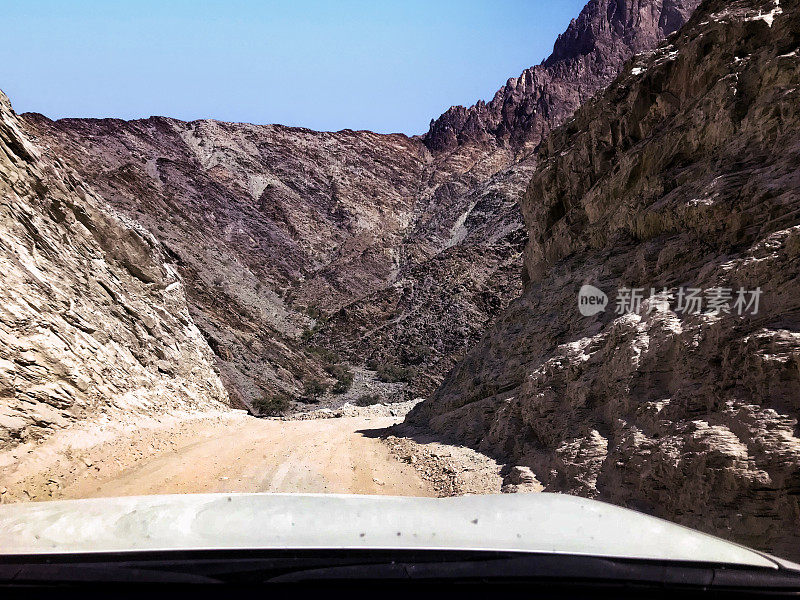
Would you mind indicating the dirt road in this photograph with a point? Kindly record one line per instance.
(259, 455)
(347, 451)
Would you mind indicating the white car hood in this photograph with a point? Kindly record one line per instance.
(549, 523)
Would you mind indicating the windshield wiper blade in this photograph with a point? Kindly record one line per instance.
(555, 569)
(79, 574)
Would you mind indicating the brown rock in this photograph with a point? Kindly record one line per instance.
(682, 174)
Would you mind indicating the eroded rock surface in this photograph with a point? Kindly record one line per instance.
(683, 173)
(392, 250)
(92, 316)
(272, 228)
(462, 258)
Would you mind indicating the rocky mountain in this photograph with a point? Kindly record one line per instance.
(585, 59)
(681, 178)
(93, 319)
(394, 251)
(270, 227)
(441, 302)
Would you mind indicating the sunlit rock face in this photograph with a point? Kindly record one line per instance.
(271, 228)
(93, 318)
(585, 58)
(682, 174)
(389, 249)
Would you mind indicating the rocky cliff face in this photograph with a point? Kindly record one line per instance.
(272, 228)
(682, 175)
(93, 317)
(585, 59)
(392, 250)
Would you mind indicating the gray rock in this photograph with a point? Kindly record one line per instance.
(521, 479)
(92, 318)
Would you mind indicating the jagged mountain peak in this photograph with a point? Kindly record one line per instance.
(585, 58)
(603, 24)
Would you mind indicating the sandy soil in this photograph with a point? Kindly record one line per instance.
(263, 455)
(355, 451)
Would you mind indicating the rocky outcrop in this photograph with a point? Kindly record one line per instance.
(461, 267)
(93, 317)
(289, 239)
(272, 228)
(585, 59)
(682, 175)
(391, 250)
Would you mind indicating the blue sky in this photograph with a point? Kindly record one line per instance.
(384, 66)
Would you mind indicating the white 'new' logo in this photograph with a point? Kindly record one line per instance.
(591, 300)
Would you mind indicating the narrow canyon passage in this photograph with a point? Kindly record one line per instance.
(259, 455)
